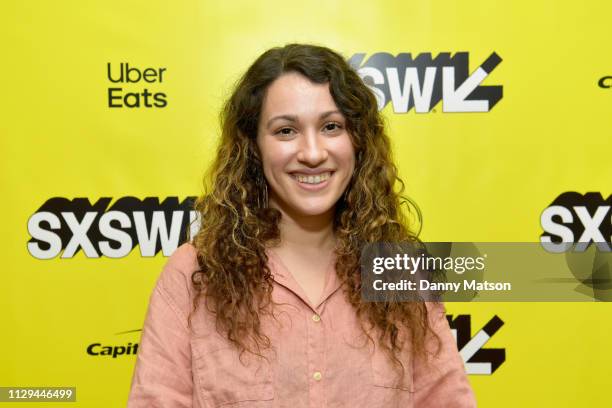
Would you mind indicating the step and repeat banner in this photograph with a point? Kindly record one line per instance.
(499, 116)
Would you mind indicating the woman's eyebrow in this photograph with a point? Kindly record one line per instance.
(293, 118)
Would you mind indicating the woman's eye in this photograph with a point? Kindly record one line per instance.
(334, 126)
(283, 131)
(330, 127)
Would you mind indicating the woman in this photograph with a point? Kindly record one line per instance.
(262, 308)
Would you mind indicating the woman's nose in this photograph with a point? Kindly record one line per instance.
(312, 149)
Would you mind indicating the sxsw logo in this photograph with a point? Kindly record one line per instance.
(63, 226)
(423, 81)
(574, 220)
(477, 359)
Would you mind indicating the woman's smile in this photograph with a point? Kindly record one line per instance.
(313, 182)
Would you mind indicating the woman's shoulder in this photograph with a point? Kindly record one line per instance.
(175, 278)
(183, 259)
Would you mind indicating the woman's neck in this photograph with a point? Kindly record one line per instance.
(300, 235)
(307, 233)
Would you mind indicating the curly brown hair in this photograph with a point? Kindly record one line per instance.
(234, 277)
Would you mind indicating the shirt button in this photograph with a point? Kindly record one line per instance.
(317, 375)
(316, 318)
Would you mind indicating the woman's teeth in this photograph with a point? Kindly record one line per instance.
(319, 178)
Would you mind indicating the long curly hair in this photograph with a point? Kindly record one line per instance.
(234, 228)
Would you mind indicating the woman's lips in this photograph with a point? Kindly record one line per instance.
(312, 187)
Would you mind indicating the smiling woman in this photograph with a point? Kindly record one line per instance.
(305, 147)
(262, 307)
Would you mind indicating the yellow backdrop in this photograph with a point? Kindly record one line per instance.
(524, 117)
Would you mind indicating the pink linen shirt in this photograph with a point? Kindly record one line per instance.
(318, 360)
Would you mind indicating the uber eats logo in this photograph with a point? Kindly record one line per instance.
(421, 82)
(64, 227)
(130, 86)
(574, 221)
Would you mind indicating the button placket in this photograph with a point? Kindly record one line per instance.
(316, 363)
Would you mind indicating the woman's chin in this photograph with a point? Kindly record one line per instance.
(312, 209)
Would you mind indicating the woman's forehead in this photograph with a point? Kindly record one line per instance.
(293, 94)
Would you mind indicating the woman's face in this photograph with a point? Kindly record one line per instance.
(307, 154)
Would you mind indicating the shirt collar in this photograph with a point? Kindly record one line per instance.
(282, 275)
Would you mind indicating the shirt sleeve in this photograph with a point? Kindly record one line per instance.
(162, 375)
(441, 381)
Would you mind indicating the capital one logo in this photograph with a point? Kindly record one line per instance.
(422, 82)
